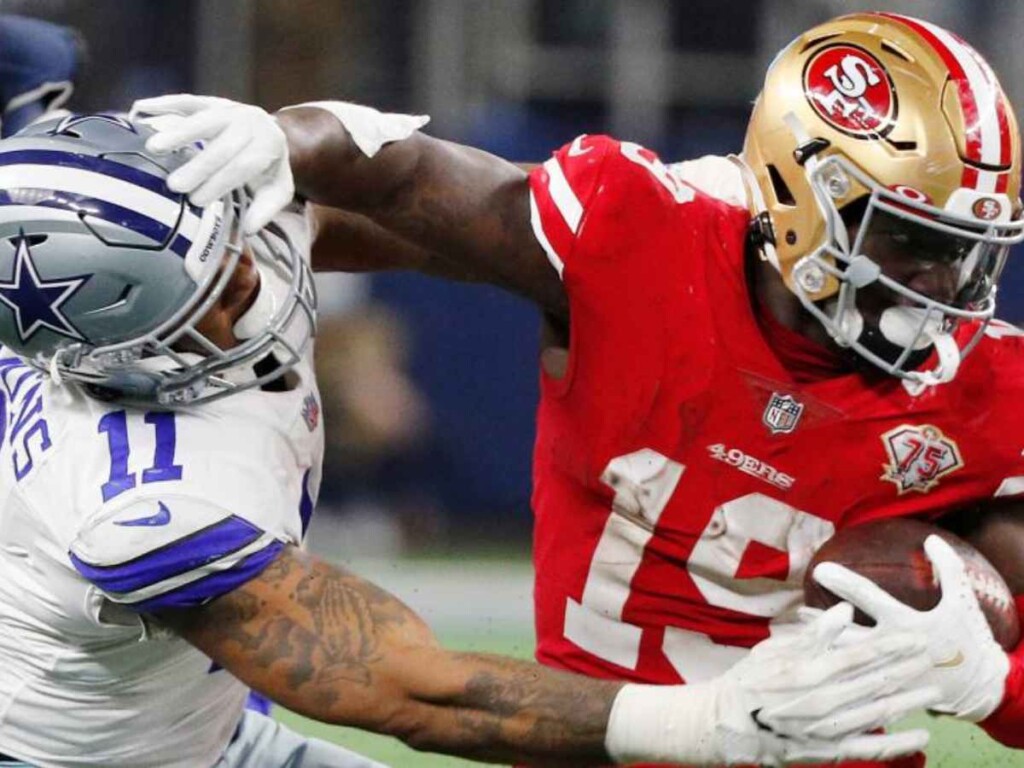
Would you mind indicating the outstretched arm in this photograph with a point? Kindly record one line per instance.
(465, 207)
(351, 242)
(469, 206)
(334, 647)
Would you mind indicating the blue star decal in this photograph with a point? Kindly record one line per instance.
(36, 302)
(69, 122)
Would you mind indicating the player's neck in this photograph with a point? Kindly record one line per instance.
(771, 295)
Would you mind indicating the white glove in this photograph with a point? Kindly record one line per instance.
(242, 146)
(967, 664)
(796, 698)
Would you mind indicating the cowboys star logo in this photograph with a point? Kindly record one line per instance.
(36, 302)
(918, 457)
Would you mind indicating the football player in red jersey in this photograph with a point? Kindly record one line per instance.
(742, 354)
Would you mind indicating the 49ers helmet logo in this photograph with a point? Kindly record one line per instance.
(851, 91)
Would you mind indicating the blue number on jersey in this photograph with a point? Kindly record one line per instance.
(115, 424)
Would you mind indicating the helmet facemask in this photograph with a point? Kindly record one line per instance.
(875, 312)
(152, 367)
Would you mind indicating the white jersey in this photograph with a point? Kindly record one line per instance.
(106, 512)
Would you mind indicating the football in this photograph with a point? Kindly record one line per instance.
(891, 553)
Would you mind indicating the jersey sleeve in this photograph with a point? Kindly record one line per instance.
(171, 551)
(561, 191)
(589, 198)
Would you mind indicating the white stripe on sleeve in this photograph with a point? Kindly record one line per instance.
(538, 232)
(562, 195)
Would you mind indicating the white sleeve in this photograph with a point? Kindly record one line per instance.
(171, 551)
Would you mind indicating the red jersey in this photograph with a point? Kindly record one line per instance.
(683, 478)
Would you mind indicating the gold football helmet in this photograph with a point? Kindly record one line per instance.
(873, 118)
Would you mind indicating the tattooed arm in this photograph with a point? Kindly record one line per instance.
(332, 646)
(466, 212)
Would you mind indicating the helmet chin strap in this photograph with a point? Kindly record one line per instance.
(948, 352)
(904, 328)
(257, 317)
(916, 329)
(271, 293)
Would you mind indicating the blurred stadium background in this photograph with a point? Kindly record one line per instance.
(428, 387)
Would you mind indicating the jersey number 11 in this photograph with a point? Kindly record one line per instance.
(115, 424)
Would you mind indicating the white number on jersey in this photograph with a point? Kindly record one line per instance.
(644, 482)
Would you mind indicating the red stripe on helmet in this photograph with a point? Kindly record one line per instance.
(968, 98)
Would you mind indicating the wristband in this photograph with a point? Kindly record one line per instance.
(663, 724)
(369, 129)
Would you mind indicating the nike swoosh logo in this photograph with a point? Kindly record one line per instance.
(162, 517)
(576, 148)
(956, 661)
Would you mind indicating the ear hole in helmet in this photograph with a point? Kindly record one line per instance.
(779, 186)
(120, 301)
(29, 239)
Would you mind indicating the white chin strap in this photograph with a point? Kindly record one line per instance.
(949, 359)
(258, 316)
(902, 326)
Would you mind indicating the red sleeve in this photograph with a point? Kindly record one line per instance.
(629, 185)
(1006, 724)
(561, 195)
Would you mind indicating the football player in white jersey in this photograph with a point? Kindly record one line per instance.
(160, 448)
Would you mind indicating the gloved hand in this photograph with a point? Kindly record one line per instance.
(796, 698)
(242, 146)
(967, 665)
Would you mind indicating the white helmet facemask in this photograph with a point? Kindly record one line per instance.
(900, 338)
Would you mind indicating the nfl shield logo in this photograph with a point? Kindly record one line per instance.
(782, 413)
(311, 411)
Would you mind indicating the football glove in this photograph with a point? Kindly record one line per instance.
(242, 146)
(967, 665)
(798, 697)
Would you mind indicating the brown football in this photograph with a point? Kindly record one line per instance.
(891, 553)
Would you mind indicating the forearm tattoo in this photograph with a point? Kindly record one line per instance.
(331, 645)
(328, 634)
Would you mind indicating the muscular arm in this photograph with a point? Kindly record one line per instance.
(468, 207)
(351, 242)
(332, 646)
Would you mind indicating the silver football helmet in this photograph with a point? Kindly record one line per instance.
(104, 271)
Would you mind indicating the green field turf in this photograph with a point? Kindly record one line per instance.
(953, 744)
